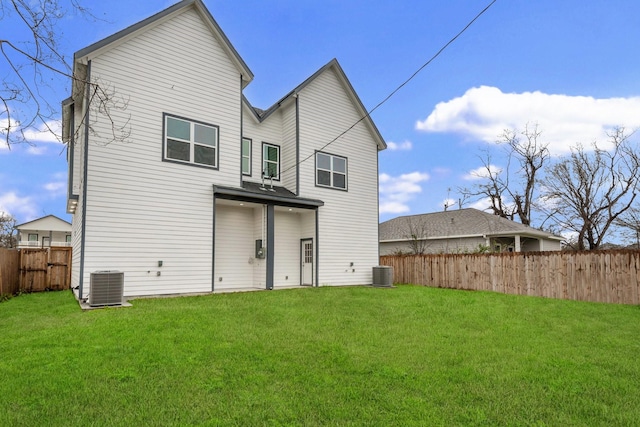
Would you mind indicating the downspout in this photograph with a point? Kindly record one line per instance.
(317, 249)
(241, 136)
(213, 242)
(84, 186)
(71, 147)
(297, 145)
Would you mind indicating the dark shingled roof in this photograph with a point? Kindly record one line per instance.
(456, 223)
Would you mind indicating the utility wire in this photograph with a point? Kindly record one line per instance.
(399, 87)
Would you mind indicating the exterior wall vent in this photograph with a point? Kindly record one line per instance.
(107, 288)
(383, 276)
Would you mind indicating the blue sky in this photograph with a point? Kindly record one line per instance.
(571, 66)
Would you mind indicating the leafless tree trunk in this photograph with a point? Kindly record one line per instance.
(34, 67)
(589, 190)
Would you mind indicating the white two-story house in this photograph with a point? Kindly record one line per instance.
(208, 192)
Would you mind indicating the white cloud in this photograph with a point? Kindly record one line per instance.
(55, 188)
(397, 191)
(396, 146)
(482, 172)
(19, 207)
(482, 204)
(35, 138)
(49, 132)
(484, 112)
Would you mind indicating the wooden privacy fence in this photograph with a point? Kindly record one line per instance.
(9, 271)
(598, 276)
(34, 270)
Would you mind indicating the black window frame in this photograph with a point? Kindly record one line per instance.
(250, 157)
(331, 171)
(191, 142)
(265, 144)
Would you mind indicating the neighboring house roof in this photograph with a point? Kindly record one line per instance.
(455, 224)
(262, 115)
(89, 52)
(49, 222)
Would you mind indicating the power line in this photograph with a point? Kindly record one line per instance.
(399, 87)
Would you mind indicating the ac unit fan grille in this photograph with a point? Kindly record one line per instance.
(106, 288)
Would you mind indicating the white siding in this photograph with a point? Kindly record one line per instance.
(435, 246)
(288, 153)
(287, 249)
(234, 247)
(141, 210)
(348, 222)
(269, 131)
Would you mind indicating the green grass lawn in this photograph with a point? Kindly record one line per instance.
(328, 356)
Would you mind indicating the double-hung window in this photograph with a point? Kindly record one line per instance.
(189, 141)
(271, 161)
(246, 156)
(331, 171)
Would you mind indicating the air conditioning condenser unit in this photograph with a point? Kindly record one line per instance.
(107, 288)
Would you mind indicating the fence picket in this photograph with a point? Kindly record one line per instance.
(598, 276)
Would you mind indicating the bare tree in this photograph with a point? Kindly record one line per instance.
(589, 190)
(416, 232)
(630, 221)
(8, 228)
(513, 193)
(493, 187)
(34, 67)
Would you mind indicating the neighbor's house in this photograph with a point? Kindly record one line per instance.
(183, 205)
(44, 232)
(461, 231)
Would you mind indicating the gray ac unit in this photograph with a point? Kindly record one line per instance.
(383, 276)
(107, 288)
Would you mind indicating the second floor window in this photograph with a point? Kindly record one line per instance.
(190, 142)
(271, 161)
(331, 171)
(246, 156)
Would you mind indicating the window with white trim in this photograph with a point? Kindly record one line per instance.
(246, 156)
(189, 141)
(331, 171)
(271, 161)
(33, 237)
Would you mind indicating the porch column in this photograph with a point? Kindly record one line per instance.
(270, 244)
(517, 243)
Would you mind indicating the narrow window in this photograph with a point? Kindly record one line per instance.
(271, 161)
(246, 156)
(190, 142)
(68, 238)
(331, 171)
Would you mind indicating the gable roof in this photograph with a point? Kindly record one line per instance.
(41, 224)
(455, 224)
(262, 115)
(83, 55)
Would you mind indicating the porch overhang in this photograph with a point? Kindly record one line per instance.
(256, 193)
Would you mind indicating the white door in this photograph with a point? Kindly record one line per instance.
(307, 262)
